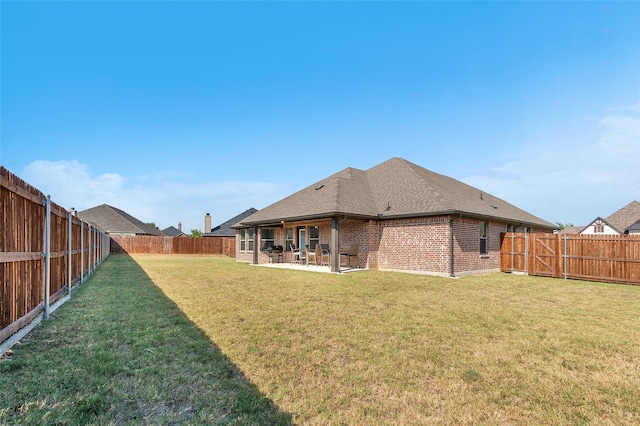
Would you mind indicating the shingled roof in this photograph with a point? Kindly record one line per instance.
(111, 220)
(395, 188)
(225, 229)
(625, 217)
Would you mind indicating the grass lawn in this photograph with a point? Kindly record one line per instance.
(235, 343)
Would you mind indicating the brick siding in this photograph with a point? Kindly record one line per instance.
(420, 245)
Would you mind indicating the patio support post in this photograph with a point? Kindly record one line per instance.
(255, 245)
(335, 255)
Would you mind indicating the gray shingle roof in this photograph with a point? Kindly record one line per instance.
(393, 189)
(225, 229)
(625, 217)
(172, 231)
(115, 221)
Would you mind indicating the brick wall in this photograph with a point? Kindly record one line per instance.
(413, 245)
(417, 245)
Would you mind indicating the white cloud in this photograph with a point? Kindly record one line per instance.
(574, 182)
(165, 198)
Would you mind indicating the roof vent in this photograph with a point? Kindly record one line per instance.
(495, 207)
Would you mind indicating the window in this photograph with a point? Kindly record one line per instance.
(598, 227)
(288, 239)
(246, 239)
(484, 248)
(314, 237)
(267, 235)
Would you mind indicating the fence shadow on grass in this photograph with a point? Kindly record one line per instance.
(121, 352)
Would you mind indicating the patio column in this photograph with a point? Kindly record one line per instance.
(335, 246)
(255, 244)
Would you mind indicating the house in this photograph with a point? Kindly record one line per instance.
(172, 231)
(226, 229)
(113, 221)
(398, 215)
(224, 234)
(623, 221)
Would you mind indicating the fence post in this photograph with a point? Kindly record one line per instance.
(47, 255)
(69, 250)
(513, 250)
(564, 256)
(81, 251)
(526, 251)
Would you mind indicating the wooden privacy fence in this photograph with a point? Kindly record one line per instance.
(173, 245)
(610, 258)
(45, 253)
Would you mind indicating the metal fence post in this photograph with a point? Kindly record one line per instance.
(564, 255)
(69, 250)
(47, 255)
(81, 251)
(513, 250)
(526, 248)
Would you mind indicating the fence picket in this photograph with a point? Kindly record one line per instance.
(608, 258)
(40, 256)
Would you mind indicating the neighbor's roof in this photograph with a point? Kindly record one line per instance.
(625, 217)
(172, 231)
(635, 227)
(396, 188)
(225, 229)
(572, 230)
(115, 221)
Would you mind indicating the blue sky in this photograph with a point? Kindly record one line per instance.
(171, 110)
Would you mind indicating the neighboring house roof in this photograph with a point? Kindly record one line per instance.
(115, 221)
(172, 231)
(572, 230)
(395, 188)
(225, 229)
(625, 217)
(634, 228)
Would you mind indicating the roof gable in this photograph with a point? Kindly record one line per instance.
(394, 188)
(225, 229)
(625, 217)
(172, 231)
(115, 221)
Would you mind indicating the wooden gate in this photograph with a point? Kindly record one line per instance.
(610, 258)
(544, 255)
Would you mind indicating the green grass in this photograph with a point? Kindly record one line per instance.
(234, 342)
(120, 352)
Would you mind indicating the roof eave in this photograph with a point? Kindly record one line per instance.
(467, 214)
(318, 216)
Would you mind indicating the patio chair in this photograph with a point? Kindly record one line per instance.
(311, 254)
(322, 250)
(352, 251)
(295, 251)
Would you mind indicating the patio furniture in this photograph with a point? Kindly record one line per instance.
(311, 254)
(297, 255)
(273, 251)
(352, 251)
(322, 250)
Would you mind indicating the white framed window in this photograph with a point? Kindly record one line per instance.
(267, 236)
(484, 246)
(288, 239)
(314, 237)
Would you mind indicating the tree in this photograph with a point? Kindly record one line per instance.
(196, 233)
(561, 226)
(153, 225)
